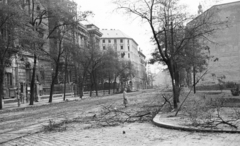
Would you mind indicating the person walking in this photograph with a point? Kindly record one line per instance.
(125, 101)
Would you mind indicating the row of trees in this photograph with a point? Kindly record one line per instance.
(178, 46)
(46, 30)
(93, 66)
(11, 28)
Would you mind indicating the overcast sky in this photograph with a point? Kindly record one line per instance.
(106, 18)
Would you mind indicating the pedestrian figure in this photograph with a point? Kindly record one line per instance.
(22, 97)
(125, 101)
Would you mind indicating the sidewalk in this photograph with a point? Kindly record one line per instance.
(177, 123)
(14, 105)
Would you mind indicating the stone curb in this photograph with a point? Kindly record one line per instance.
(26, 106)
(190, 129)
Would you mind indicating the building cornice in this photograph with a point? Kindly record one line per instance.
(120, 38)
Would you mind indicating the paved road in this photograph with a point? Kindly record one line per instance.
(136, 134)
(17, 124)
(30, 120)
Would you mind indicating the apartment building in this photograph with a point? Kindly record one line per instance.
(224, 43)
(127, 49)
(18, 73)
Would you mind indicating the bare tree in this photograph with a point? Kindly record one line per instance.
(34, 41)
(63, 20)
(125, 73)
(109, 66)
(11, 28)
(80, 57)
(167, 21)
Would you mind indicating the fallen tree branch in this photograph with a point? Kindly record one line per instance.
(166, 100)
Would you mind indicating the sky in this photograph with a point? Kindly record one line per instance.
(105, 17)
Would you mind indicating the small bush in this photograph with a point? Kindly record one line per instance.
(208, 87)
(230, 85)
(226, 85)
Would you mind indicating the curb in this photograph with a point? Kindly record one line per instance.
(189, 129)
(10, 109)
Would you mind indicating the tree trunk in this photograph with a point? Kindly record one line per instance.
(103, 88)
(175, 93)
(96, 89)
(109, 85)
(81, 90)
(65, 79)
(177, 83)
(80, 86)
(53, 81)
(91, 89)
(33, 80)
(1, 85)
(95, 83)
(114, 85)
(82, 80)
(194, 80)
(76, 81)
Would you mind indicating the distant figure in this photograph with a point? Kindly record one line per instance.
(235, 91)
(125, 101)
(21, 97)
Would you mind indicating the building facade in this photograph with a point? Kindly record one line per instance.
(224, 45)
(18, 73)
(127, 49)
(143, 79)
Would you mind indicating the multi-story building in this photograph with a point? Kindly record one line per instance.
(127, 49)
(224, 45)
(18, 73)
(142, 71)
(94, 34)
(81, 35)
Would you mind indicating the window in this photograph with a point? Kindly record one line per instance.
(109, 41)
(128, 48)
(121, 40)
(121, 47)
(21, 87)
(128, 41)
(8, 79)
(128, 55)
(104, 47)
(122, 55)
(103, 41)
(115, 41)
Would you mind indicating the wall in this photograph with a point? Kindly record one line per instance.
(225, 46)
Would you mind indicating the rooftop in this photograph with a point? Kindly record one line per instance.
(113, 33)
(230, 3)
